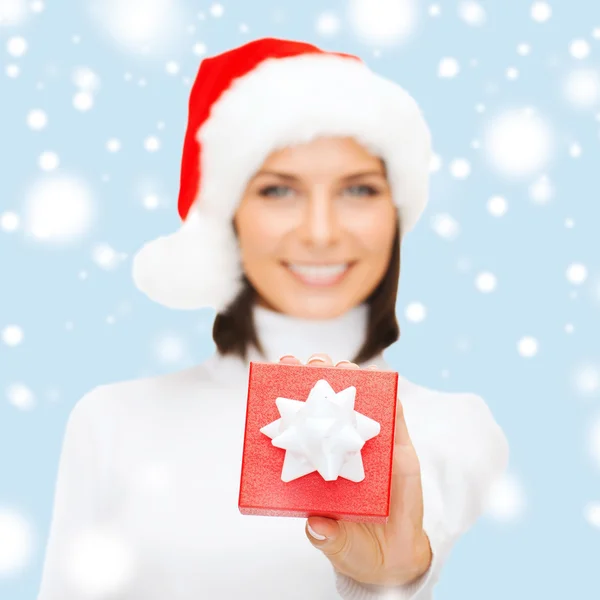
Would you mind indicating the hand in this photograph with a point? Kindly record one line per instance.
(395, 553)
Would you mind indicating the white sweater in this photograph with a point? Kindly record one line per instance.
(146, 497)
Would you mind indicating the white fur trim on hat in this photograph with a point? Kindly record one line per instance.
(194, 267)
(287, 101)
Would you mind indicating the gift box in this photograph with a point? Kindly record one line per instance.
(318, 441)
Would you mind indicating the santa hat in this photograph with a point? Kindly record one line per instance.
(246, 103)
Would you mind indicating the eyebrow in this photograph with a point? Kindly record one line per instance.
(290, 177)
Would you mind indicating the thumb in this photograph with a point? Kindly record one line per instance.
(328, 535)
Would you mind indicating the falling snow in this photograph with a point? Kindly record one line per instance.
(59, 209)
(448, 68)
(383, 22)
(16, 542)
(328, 24)
(518, 143)
(415, 312)
(528, 347)
(506, 501)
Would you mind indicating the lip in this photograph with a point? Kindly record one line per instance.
(321, 282)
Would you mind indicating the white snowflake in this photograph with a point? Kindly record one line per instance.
(383, 22)
(199, 49)
(16, 46)
(497, 206)
(486, 282)
(150, 201)
(12, 335)
(594, 440)
(20, 396)
(113, 145)
(106, 257)
(512, 73)
(12, 12)
(16, 542)
(445, 226)
(170, 348)
(582, 88)
(577, 273)
(10, 221)
(435, 10)
(140, 26)
(518, 143)
(59, 209)
(83, 101)
(541, 191)
(12, 71)
(217, 10)
(472, 13)
(415, 312)
(37, 6)
(524, 49)
(591, 514)
(506, 499)
(48, 161)
(328, 24)
(460, 168)
(37, 119)
(448, 68)
(528, 347)
(586, 378)
(172, 67)
(85, 79)
(541, 12)
(579, 49)
(575, 150)
(152, 143)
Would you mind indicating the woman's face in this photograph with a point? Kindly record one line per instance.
(315, 227)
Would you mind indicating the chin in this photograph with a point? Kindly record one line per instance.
(317, 308)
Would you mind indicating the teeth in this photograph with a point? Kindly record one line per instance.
(319, 271)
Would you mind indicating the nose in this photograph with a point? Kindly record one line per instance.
(320, 224)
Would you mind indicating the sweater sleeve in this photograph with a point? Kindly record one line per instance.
(459, 464)
(75, 501)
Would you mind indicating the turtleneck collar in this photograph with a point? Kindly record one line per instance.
(279, 334)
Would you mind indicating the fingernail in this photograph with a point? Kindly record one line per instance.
(316, 535)
(315, 359)
(342, 362)
(285, 356)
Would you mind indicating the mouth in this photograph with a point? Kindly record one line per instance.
(320, 275)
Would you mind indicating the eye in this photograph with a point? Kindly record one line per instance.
(276, 191)
(362, 190)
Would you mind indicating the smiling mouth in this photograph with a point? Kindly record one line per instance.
(321, 275)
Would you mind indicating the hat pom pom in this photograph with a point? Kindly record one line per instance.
(195, 267)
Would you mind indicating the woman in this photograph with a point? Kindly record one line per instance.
(301, 172)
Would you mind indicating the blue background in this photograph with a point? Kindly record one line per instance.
(468, 340)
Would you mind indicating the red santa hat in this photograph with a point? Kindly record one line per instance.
(246, 103)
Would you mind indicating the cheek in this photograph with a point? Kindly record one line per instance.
(259, 234)
(374, 233)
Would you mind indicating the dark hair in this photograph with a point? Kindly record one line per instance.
(234, 331)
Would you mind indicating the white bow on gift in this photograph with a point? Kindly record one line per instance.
(323, 434)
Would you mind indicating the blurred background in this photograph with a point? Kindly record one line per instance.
(500, 284)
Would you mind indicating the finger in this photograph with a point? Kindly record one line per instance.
(320, 360)
(288, 359)
(335, 536)
(346, 364)
(401, 435)
(372, 367)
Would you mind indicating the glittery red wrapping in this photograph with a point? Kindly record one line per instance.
(262, 492)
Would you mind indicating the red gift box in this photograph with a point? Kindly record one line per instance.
(262, 491)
